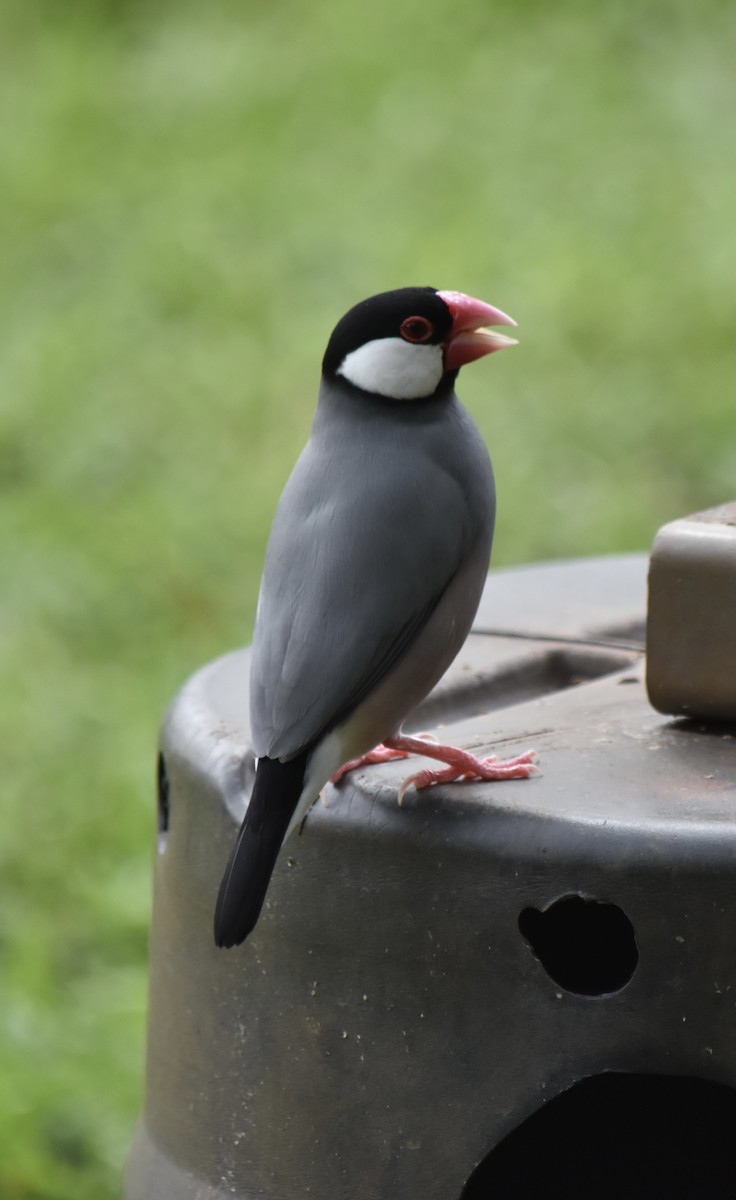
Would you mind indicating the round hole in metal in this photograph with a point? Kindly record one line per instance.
(163, 803)
(586, 946)
(618, 1137)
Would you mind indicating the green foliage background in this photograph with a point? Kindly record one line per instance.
(190, 196)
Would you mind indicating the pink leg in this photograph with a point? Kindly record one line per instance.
(382, 753)
(386, 752)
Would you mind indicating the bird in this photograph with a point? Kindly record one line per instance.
(374, 569)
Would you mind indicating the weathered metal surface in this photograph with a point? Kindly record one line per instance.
(387, 1023)
(691, 629)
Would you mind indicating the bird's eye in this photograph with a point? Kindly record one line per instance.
(416, 329)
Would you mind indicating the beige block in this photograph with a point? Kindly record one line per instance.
(691, 624)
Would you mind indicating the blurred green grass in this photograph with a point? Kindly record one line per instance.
(190, 197)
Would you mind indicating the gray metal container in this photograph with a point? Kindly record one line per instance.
(426, 978)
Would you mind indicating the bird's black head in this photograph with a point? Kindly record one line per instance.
(401, 345)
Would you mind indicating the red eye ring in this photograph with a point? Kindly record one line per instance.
(416, 329)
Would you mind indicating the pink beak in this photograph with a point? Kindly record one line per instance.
(468, 339)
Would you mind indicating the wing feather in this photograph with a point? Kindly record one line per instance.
(357, 561)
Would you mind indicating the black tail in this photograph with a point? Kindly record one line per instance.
(273, 800)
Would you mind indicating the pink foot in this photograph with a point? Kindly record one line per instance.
(459, 764)
(462, 765)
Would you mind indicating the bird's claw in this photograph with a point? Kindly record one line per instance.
(491, 769)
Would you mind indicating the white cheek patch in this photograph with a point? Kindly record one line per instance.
(394, 368)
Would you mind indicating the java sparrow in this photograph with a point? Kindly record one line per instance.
(374, 570)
